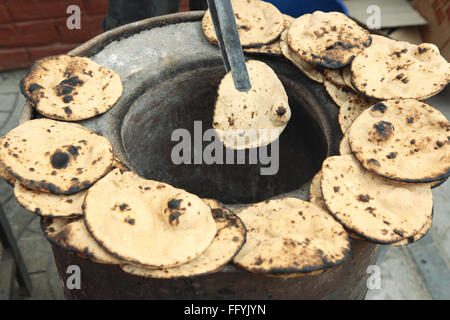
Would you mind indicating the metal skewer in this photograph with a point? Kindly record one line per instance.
(229, 42)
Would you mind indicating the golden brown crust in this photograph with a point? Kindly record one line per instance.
(340, 95)
(371, 207)
(391, 69)
(351, 109)
(71, 88)
(403, 140)
(290, 237)
(258, 23)
(255, 118)
(146, 222)
(57, 157)
(46, 204)
(330, 39)
(71, 235)
(312, 71)
(226, 244)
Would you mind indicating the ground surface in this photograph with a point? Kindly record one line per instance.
(418, 271)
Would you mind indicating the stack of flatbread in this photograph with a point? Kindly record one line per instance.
(394, 145)
(395, 149)
(149, 229)
(259, 24)
(357, 68)
(379, 189)
(323, 45)
(320, 42)
(52, 164)
(93, 206)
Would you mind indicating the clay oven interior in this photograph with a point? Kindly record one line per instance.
(190, 96)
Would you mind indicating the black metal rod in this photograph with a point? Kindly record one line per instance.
(229, 42)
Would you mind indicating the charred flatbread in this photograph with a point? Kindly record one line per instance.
(273, 48)
(335, 76)
(229, 239)
(46, 204)
(56, 157)
(344, 145)
(147, 223)
(290, 236)
(391, 69)
(328, 39)
(372, 207)
(347, 77)
(315, 193)
(417, 236)
(340, 95)
(351, 109)
(71, 88)
(403, 140)
(71, 235)
(313, 72)
(6, 175)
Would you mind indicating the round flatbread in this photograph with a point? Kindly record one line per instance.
(273, 48)
(417, 236)
(6, 175)
(258, 23)
(254, 118)
(403, 140)
(46, 204)
(313, 72)
(328, 39)
(290, 236)
(71, 235)
(56, 157)
(228, 241)
(391, 69)
(351, 109)
(339, 94)
(146, 222)
(371, 207)
(315, 193)
(335, 76)
(344, 145)
(344, 148)
(120, 165)
(71, 88)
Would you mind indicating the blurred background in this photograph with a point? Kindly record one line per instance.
(32, 29)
